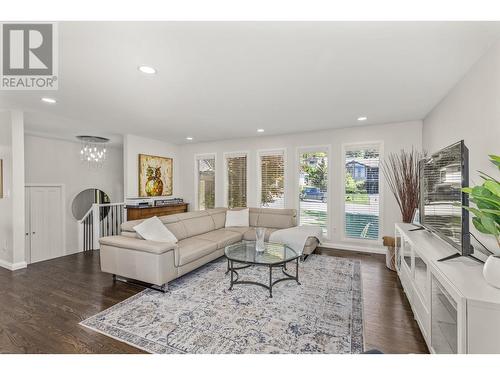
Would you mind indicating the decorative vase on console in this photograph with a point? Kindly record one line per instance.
(259, 239)
(491, 270)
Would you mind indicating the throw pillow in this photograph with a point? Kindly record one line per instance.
(154, 230)
(238, 218)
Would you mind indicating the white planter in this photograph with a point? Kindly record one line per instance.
(491, 270)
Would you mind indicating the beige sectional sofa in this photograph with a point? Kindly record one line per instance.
(201, 237)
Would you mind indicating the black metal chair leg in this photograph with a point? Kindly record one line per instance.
(270, 281)
(230, 270)
(297, 272)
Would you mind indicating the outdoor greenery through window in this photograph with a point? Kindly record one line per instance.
(206, 183)
(313, 189)
(272, 180)
(362, 192)
(236, 181)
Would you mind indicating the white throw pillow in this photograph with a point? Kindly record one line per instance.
(239, 218)
(154, 230)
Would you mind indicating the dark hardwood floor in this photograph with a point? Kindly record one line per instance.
(41, 306)
(389, 324)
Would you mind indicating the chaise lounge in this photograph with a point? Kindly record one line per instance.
(202, 237)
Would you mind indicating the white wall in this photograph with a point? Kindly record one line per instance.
(133, 146)
(6, 202)
(471, 111)
(53, 161)
(12, 205)
(394, 137)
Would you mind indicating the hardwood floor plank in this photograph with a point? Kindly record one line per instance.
(41, 306)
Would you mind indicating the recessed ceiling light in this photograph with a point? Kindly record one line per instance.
(49, 100)
(189, 138)
(260, 130)
(362, 118)
(147, 69)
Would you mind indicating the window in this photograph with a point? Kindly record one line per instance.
(272, 179)
(361, 192)
(236, 180)
(205, 167)
(313, 189)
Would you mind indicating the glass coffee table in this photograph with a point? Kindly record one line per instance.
(244, 255)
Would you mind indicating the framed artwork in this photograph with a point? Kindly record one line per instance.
(1, 178)
(155, 176)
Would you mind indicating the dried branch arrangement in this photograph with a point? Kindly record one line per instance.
(402, 175)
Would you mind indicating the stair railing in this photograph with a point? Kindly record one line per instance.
(101, 220)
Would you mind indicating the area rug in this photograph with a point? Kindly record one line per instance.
(200, 315)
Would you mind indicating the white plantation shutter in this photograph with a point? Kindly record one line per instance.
(313, 188)
(206, 182)
(272, 179)
(236, 181)
(361, 192)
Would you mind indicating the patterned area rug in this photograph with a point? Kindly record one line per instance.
(200, 315)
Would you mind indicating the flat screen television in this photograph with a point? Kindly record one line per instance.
(442, 177)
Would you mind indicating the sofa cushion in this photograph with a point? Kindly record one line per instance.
(137, 244)
(240, 230)
(128, 226)
(153, 229)
(130, 234)
(249, 235)
(237, 218)
(221, 237)
(196, 222)
(191, 249)
(254, 216)
(177, 229)
(218, 215)
(275, 220)
(172, 223)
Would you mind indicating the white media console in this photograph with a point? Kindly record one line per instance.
(457, 311)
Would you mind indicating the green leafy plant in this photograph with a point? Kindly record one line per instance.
(486, 198)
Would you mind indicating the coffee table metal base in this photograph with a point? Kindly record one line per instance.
(235, 276)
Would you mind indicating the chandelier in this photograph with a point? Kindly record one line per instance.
(93, 150)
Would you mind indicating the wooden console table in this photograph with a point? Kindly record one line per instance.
(137, 213)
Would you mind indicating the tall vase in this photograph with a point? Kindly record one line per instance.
(491, 270)
(259, 239)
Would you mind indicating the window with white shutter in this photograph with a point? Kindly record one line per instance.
(361, 191)
(236, 177)
(206, 181)
(272, 179)
(313, 189)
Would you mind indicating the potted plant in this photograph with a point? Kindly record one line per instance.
(486, 217)
(402, 175)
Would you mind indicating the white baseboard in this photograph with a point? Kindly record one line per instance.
(351, 247)
(12, 266)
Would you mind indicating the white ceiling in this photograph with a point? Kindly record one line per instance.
(220, 80)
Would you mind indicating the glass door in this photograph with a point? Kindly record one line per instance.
(420, 275)
(444, 317)
(406, 254)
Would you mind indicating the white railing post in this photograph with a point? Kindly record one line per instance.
(80, 235)
(95, 225)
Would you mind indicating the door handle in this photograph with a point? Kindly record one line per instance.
(33, 233)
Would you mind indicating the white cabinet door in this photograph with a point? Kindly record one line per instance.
(45, 222)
